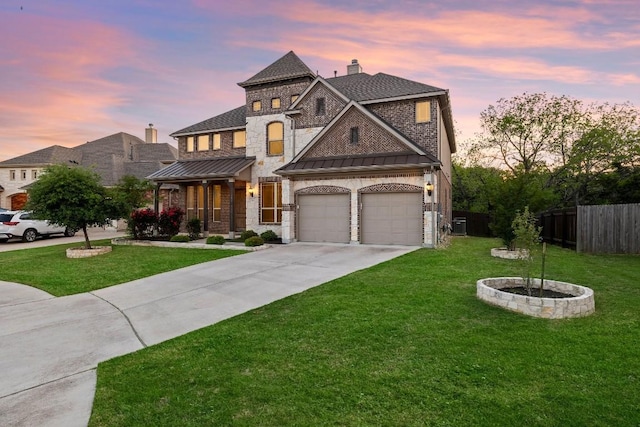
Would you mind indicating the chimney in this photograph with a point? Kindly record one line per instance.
(354, 67)
(151, 134)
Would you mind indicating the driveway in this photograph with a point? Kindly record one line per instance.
(50, 347)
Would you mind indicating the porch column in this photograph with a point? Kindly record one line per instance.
(156, 197)
(205, 223)
(232, 207)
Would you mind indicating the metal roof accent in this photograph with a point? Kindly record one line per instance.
(189, 170)
(390, 161)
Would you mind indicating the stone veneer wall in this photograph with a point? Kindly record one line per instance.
(582, 304)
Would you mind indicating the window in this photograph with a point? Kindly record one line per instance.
(12, 175)
(423, 111)
(189, 144)
(34, 174)
(270, 202)
(256, 106)
(203, 142)
(216, 141)
(195, 202)
(354, 135)
(294, 98)
(275, 103)
(275, 139)
(23, 175)
(320, 107)
(239, 139)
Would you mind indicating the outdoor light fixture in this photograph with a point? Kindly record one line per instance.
(250, 191)
(429, 188)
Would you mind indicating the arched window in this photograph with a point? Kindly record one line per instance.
(275, 139)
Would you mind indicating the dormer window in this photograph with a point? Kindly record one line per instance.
(275, 103)
(189, 144)
(256, 106)
(216, 141)
(203, 142)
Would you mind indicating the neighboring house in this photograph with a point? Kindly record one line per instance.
(112, 157)
(357, 158)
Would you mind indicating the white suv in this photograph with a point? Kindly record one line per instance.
(18, 224)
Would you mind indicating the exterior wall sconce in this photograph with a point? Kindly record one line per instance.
(250, 191)
(429, 188)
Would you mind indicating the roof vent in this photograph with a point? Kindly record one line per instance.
(354, 67)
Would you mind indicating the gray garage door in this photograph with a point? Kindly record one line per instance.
(392, 218)
(324, 218)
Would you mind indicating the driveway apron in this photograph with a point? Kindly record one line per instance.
(50, 347)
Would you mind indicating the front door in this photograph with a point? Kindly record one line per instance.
(240, 208)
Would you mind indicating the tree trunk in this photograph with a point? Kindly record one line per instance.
(87, 243)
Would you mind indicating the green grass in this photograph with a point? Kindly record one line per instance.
(401, 344)
(49, 269)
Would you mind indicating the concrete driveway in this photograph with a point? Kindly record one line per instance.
(50, 347)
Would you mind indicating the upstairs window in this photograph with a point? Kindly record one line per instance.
(12, 175)
(320, 107)
(34, 174)
(203, 142)
(275, 103)
(256, 106)
(423, 111)
(294, 98)
(355, 135)
(275, 139)
(189, 144)
(216, 141)
(23, 175)
(239, 139)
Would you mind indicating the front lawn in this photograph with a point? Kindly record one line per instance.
(49, 269)
(403, 343)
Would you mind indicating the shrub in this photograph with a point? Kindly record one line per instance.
(141, 223)
(269, 236)
(215, 240)
(247, 233)
(169, 221)
(193, 228)
(254, 241)
(180, 238)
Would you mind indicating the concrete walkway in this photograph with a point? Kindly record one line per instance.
(50, 347)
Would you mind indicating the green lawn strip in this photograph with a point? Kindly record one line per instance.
(49, 269)
(402, 343)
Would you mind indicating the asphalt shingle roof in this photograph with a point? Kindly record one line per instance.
(286, 68)
(222, 167)
(50, 155)
(231, 119)
(364, 87)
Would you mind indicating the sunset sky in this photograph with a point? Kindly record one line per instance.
(77, 70)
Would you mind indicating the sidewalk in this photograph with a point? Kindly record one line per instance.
(50, 347)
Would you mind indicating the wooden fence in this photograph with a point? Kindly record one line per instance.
(609, 229)
(559, 227)
(477, 224)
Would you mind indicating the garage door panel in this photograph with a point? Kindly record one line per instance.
(392, 218)
(324, 218)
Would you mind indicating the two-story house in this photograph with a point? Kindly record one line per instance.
(355, 158)
(111, 157)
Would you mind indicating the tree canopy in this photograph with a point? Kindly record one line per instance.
(73, 197)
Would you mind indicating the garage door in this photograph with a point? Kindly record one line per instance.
(392, 218)
(324, 218)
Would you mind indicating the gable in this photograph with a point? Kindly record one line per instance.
(373, 138)
(307, 107)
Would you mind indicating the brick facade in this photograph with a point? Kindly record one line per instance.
(372, 138)
(226, 148)
(265, 94)
(308, 117)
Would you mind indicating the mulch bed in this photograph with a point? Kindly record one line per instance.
(535, 292)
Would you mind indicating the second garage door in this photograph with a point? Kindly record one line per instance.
(392, 218)
(324, 218)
